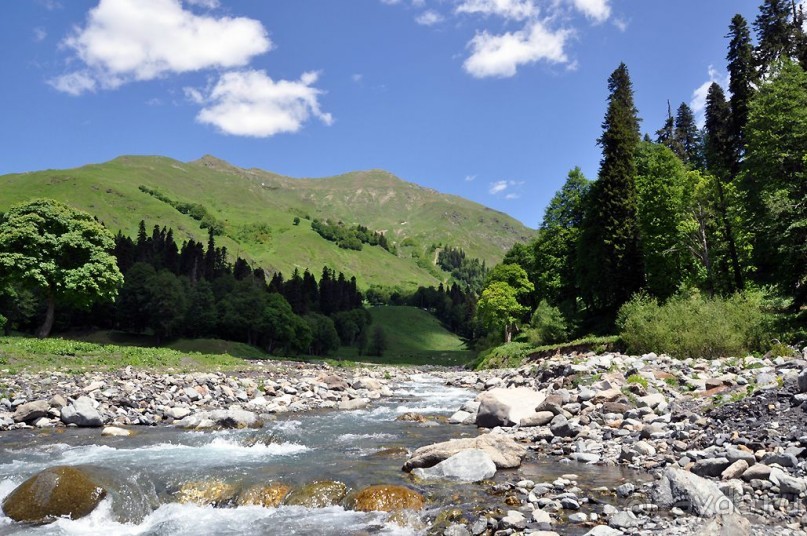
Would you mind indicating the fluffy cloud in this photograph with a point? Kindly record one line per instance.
(500, 186)
(501, 55)
(429, 18)
(698, 102)
(597, 10)
(126, 40)
(209, 4)
(508, 9)
(250, 103)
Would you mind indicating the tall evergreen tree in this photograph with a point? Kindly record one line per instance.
(776, 31)
(687, 137)
(610, 241)
(742, 78)
(666, 134)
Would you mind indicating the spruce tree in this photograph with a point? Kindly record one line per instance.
(720, 160)
(687, 137)
(776, 33)
(610, 242)
(742, 78)
(666, 134)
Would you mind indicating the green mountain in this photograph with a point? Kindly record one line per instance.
(257, 210)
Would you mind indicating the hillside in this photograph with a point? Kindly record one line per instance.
(257, 209)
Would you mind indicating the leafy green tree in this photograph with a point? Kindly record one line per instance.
(775, 179)
(378, 342)
(324, 338)
(281, 329)
(499, 308)
(18, 306)
(548, 326)
(201, 316)
(241, 311)
(609, 261)
(742, 79)
(61, 251)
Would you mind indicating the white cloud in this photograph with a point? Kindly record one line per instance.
(74, 83)
(418, 3)
(597, 10)
(250, 103)
(501, 55)
(51, 5)
(126, 40)
(470, 178)
(40, 34)
(390, 2)
(497, 187)
(508, 9)
(429, 18)
(357, 78)
(512, 196)
(209, 4)
(621, 24)
(698, 102)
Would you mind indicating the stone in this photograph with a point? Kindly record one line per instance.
(651, 401)
(784, 460)
(691, 493)
(320, 494)
(539, 418)
(757, 472)
(456, 529)
(644, 448)
(561, 427)
(365, 382)
(177, 413)
(503, 450)
(713, 467)
(726, 525)
(802, 381)
(506, 406)
(56, 492)
(788, 485)
(551, 403)
(387, 498)
(460, 417)
(569, 503)
(334, 383)
(267, 496)
(604, 530)
(542, 519)
(578, 517)
(623, 520)
(735, 470)
(114, 431)
(82, 413)
(356, 403)
(216, 493)
(734, 454)
(470, 465)
(31, 411)
(513, 520)
(585, 457)
(625, 490)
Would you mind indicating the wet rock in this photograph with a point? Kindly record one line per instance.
(411, 416)
(513, 520)
(456, 530)
(53, 493)
(317, 494)
(462, 417)
(470, 465)
(31, 411)
(223, 418)
(625, 490)
(623, 520)
(356, 403)
(270, 496)
(691, 493)
(506, 406)
(82, 412)
(114, 431)
(604, 530)
(386, 498)
(216, 493)
(503, 450)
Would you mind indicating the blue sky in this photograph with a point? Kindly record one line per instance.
(494, 100)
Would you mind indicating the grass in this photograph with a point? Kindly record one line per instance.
(414, 337)
(258, 209)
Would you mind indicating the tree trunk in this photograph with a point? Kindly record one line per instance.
(44, 329)
(508, 334)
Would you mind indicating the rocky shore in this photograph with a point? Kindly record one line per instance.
(722, 444)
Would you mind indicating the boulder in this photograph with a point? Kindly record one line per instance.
(726, 525)
(224, 418)
(506, 407)
(734, 470)
(461, 417)
(177, 413)
(470, 465)
(206, 493)
(53, 493)
(788, 485)
(114, 431)
(604, 530)
(371, 384)
(268, 496)
(561, 427)
(31, 411)
(539, 418)
(82, 412)
(503, 450)
(691, 493)
(334, 382)
(356, 403)
(758, 471)
(803, 381)
(320, 494)
(385, 498)
(713, 467)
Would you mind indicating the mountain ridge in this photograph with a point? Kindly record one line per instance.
(257, 209)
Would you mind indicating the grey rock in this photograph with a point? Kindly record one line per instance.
(625, 490)
(757, 472)
(735, 470)
(788, 485)
(542, 519)
(539, 418)
(726, 525)
(561, 427)
(734, 454)
(460, 417)
(604, 530)
(506, 407)
(356, 403)
(503, 450)
(177, 412)
(784, 460)
(31, 411)
(713, 467)
(470, 465)
(513, 520)
(585, 457)
(569, 503)
(82, 413)
(578, 517)
(803, 381)
(694, 494)
(456, 530)
(623, 520)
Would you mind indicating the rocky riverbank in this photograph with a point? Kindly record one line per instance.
(726, 441)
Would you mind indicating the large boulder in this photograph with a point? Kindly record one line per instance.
(691, 493)
(384, 498)
(319, 494)
(31, 411)
(53, 493)
(222, 418)
(268, 496)
(207, 493)
(506, 407)
(82, 412)
(726, 525)
(502, 449)
(470, 465)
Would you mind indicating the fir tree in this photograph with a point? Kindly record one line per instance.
(776, 33)
(742, 78)
(688, 140)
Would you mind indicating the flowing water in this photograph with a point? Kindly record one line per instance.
(143, 472)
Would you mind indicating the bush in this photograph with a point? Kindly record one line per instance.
(694, 326)
(508, 355)
(548, 326)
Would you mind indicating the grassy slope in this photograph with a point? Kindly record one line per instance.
(244, 198)
(414, 337)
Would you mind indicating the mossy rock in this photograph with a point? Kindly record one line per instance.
(207, 493)
(318, 494)
(269, 496)
(387, 498)
(53, 493)
(391, 452)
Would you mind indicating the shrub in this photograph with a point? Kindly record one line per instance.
(694, 326)
(548, 325)
(507, 355)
